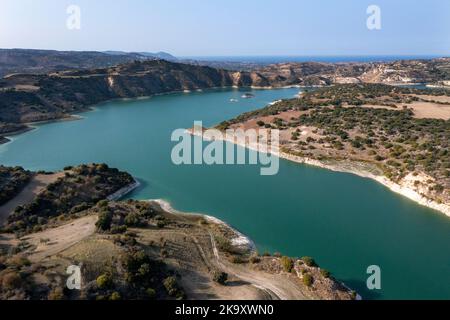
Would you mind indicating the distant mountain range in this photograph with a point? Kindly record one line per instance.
(32, 61)
(158, 55)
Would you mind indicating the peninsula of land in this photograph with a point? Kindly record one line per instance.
(134, 249)
(397, 136)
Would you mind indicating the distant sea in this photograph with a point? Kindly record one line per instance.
(334, 59)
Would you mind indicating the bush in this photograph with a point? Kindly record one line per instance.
(308, 280)
(104, 221)
(219, 277)
(171, 286)
(161, 224)
(56, 294)
(309, 261)
(325, 273)
(238, 260)
(104, 281)
(132, 220)
(287, 264)
(115, 296)
(224, 244)
(11, 280)
(118, 229)
(102, 204)
(151, 293)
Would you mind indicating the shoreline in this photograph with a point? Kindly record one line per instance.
(30, 126)
(123, 191)
(239, 240)
(392, 186)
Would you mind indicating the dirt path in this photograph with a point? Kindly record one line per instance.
(276, 287)
(270, 286)
(52, 241)
(35, 186)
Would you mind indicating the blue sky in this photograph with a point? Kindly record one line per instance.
(232, 27)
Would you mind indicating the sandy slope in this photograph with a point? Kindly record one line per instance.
(52, 241)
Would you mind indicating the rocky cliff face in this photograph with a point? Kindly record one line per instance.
(27, 98)
(312, 73)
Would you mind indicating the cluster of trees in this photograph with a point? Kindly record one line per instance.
(338, 95)
(396, 139)
(81, 188)
(12, 181)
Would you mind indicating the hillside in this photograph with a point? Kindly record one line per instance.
(31, 61)
(381, 131)
(140, 250)
(12, 180)
(78, 189)
(26, 98)
(30, 98)
(397, 72)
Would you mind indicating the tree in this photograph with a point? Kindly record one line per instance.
(104, 221)
(104, 281)
(151, 293)
(308, 280)
(309, 261)
(219, 277)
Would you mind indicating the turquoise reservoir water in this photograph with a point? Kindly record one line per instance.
(345, 222)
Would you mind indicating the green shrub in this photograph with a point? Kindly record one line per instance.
(102, 204)
(151, 293)
(132, 220)
(104, 221)
(224, 244)
(309, 261)
(219, 277)
(325, 273)
(56, 294)
(308, 280)
(104, 281)
(171, 286)
(287, 264)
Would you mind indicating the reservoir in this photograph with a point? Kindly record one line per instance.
(347, 223)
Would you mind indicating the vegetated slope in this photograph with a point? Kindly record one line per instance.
(372, 124)
(27, 98)
(44, 61)
(79, 189)
(12, 180)
(141, 251)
